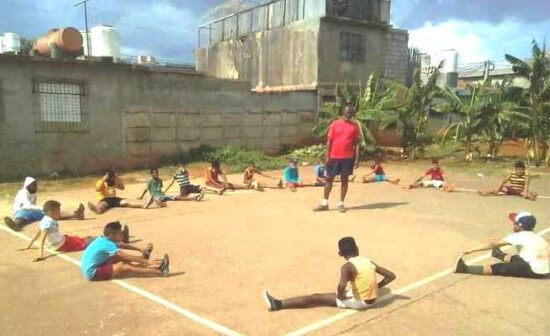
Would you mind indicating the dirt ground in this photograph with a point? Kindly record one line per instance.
(225, 250)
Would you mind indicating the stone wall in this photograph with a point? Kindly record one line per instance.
(138, 116)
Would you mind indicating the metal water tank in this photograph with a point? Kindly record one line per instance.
(105, 41)
(68, 40)
(12, 43)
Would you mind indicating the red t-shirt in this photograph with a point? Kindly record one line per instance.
(435, 174)
(344, 135)
(378, 170)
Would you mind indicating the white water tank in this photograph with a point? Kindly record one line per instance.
(11, 43)
(105, 41)
(85, 35)
(450, 56)
(425, 60)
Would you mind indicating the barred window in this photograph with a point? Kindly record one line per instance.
(352, 47)
(61, 105)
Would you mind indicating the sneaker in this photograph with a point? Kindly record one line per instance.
(320, 207)
(460, 265)
(165, 266)
(93, 208)
(342, 209)
(11, 224)
(80, 212)
(497, 253)
(126, 234)
(270, 302)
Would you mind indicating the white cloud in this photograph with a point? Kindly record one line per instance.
(478, 41)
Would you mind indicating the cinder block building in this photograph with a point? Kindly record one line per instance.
(289, 45)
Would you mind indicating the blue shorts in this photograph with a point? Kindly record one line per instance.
(342, 167)
(380, 178)
(29, 215)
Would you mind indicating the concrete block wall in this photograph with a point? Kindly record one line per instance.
(139, 117)
(395, 54)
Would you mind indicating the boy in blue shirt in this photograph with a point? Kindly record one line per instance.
(104, 260)
(292, 176)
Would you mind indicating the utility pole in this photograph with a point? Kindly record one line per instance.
(88, 46)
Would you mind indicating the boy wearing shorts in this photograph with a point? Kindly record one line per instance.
(106, 194)
(49, 230)
(532, 260)
(515, 184)
(157, 196)
(358, 271)
(25, 210)
(252, 183)
(378, 174)
(184, 182)
(104, 259)
(435, 179)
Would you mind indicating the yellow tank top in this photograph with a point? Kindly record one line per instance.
(364, 286)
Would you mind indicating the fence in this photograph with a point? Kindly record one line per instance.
(263, 17)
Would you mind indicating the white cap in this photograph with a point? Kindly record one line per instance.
(28, 181)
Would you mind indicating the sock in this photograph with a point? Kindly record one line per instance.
(341, 203)
(324, 202)
(475, 270)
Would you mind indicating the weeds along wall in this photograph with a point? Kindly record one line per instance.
(79, 117)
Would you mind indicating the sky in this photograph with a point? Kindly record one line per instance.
(167, 29)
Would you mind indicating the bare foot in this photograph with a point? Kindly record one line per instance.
(93, 208)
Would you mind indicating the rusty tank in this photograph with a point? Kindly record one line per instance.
(68, 40)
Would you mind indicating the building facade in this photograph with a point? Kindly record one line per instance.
(288, 45)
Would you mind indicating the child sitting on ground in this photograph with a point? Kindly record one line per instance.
(377, 173)
(157, 196)
(320, 171)
(25, 210)
(436, 179)
(106, 194)
(292, 176)
(252, 183)
(515, 184)
(104, 259)
(532, 260)
(49, 229)
(358, 271)
(184, 182)
(213, 175)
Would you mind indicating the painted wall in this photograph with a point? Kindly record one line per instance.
(139, 116)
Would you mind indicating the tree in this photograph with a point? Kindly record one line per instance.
(345, 95)
(411, 111)
(537, 98)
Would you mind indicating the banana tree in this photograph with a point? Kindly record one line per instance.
(345, 95)
(537, 97)
(410, 111)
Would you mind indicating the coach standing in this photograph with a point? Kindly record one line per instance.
(342, 155)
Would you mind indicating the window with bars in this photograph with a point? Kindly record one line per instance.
(61, 106)
(352, 47)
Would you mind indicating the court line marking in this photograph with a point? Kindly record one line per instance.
(436, 276)
(475, 191)
(141, 292)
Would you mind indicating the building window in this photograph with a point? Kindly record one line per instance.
(352, 47)
(61, 105)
